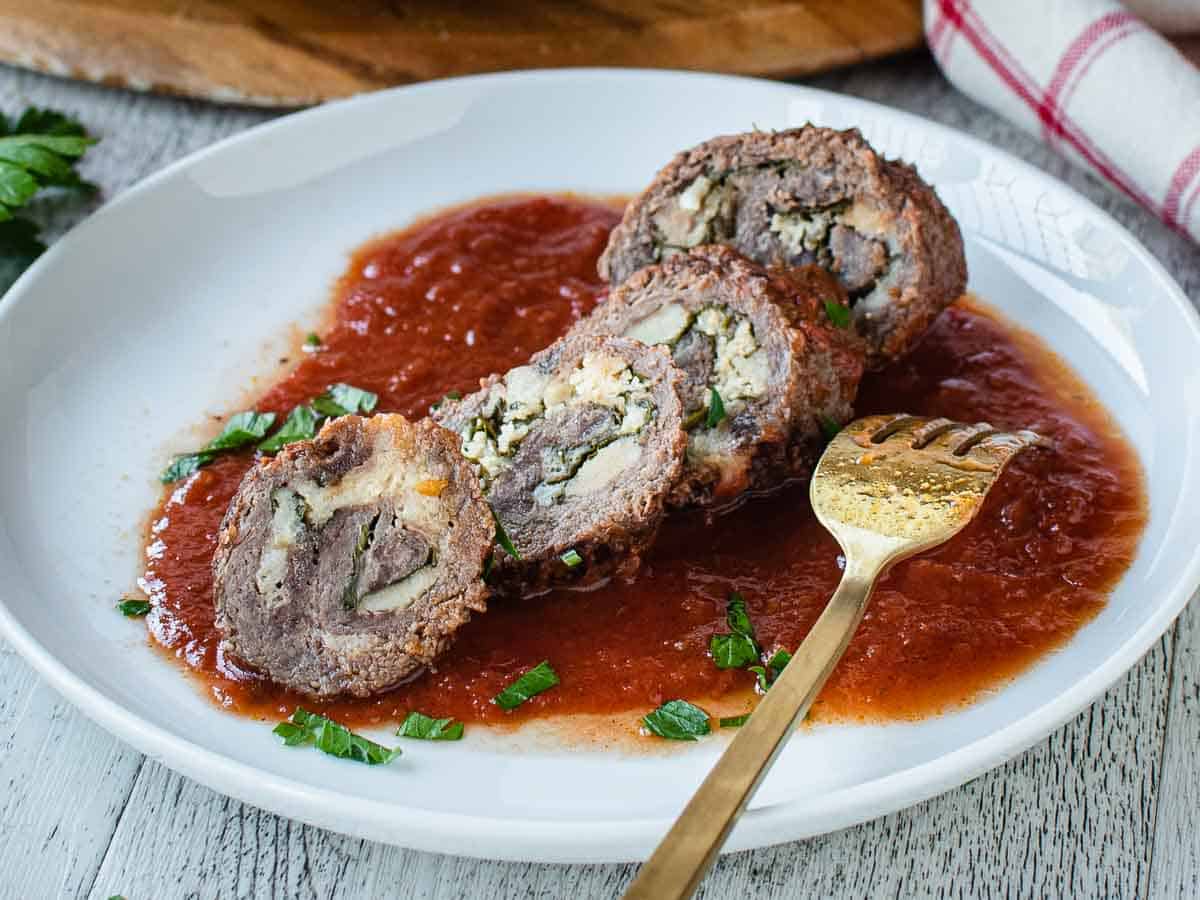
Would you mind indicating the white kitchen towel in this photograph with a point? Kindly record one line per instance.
(1092, 79)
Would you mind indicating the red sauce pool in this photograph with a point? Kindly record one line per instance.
(479, 288)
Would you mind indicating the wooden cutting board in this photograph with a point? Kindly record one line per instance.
(296, 52)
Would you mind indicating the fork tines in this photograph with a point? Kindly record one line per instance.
(958, 438)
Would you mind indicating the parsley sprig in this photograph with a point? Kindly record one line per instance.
(332, 738)
(677, 720)
(540, 678)
(38, 150)
(426, 728)
(251, 427)
(737, 649)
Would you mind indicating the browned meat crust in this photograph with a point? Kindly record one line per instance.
(346, 564)
(807, 195)
(764, 342)
(577, 450)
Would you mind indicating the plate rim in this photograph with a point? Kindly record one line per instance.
(605, 839)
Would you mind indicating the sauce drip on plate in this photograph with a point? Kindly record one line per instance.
(478, 289)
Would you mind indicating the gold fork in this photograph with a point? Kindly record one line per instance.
(887, 487)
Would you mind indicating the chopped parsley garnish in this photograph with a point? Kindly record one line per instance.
(183, 466)
(540, 678)
(344, 400)
(732, 651)
(503, 539)
(771, 671)
(451, 395)
(839, 315)
(488, 564)
(829, 427)
(132, 607)
(736, 615)
(241, 429)
(425, 728)
(734, 721)
(677, 720)
(39, 150)
(738, 648)
(312, 340)
(300, 425)
(716, 409)
(571, 558)
(330, 737)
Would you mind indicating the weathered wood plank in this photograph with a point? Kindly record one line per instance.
(63, 785)
(1176, 867)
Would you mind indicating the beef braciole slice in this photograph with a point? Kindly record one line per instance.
(346, 563)
(807, 195)
(577, 451)
(765, 372)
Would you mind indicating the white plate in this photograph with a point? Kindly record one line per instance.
(153, 311)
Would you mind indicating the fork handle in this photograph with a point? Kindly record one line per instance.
(686, 853)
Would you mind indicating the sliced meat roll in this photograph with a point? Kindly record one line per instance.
(807, 195)
(765, 372)
(346, 563)
(577, 451)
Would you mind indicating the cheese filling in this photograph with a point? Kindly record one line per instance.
(740, 366)
(689, 221)
(514, 406)
(305, 504)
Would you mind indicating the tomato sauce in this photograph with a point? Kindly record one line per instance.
(479, 288)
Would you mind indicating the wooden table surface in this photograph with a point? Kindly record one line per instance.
(1105, 807)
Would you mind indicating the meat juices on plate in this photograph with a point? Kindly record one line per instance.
(345, 564)
(761, 344)
(807, 196)
(577, 451)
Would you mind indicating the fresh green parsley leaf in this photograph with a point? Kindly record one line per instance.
(36, 120)
(732, 651)
(829, 427)
(331, 738)
(716, 410)
(30, 160)
(738, 648)
(734, 721)
(764, 683)
(422, 727)
(300, 425)
(503, 539)
(344, 400)
(132, 607)
(19, 247)
(38, 151)
(312, 340)
(736, 615)
(241, 429)
(767, 674)
(488, 564)
(540, 678)
(677, 720)
(839, 315)
(777, 662)
(117, 897)
(571, 558)
(185, 465)
(451, 395)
